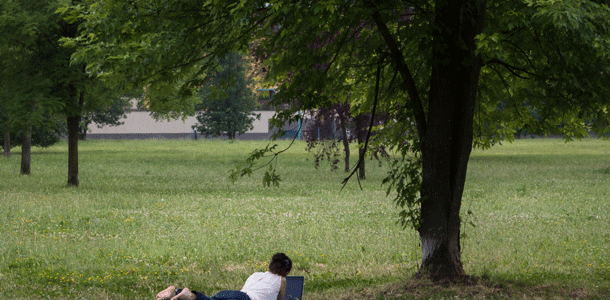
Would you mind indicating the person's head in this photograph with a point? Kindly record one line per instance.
(280, 264)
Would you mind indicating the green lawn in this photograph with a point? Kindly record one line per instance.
(152, 213)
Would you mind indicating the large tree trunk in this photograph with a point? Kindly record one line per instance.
(447, 142)
(445, 130)
(73, 120)
(7, 141)
(26, 151)
(345, 140)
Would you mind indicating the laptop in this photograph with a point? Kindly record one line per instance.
(294, 287)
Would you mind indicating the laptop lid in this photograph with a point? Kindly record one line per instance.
(294, 287)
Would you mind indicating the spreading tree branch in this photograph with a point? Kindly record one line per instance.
(512, 69)
(419, 113)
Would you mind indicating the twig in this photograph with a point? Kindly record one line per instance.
(368, 135)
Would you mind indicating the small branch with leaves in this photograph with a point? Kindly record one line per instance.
(248, 167)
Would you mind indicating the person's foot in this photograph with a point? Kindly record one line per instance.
(167, 293)
(185, 294)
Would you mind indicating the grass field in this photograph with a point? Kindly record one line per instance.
(152, 213)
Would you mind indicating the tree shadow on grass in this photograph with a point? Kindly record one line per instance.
(475, 288)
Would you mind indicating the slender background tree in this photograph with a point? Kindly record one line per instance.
(40, 83)
(227, 100)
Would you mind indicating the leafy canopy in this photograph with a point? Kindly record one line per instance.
(545, 63)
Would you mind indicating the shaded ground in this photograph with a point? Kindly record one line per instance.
(478, 289)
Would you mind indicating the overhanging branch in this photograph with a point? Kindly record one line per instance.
(396, 54)
(512, 69)
(368, 135)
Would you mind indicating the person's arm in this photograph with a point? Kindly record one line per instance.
(282, 293)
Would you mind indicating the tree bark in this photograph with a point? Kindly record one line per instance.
(73, 120)
(445, 130)
(345, 140)
(26, 151)
(73, 134)
(447, 142)
(7, 142)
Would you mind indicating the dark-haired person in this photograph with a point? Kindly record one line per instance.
(270, 285)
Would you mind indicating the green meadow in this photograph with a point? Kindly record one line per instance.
(153, 213)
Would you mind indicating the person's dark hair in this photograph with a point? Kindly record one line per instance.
(280, 264)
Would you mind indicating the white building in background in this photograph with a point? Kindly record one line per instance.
(140, 125)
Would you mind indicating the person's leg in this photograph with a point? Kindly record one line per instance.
(231, 295)
(200, 296)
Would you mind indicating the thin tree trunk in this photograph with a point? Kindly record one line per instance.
(85, 121)
(82, 133)
(345, 140)
(26, 151)
(73, 134)
(361, 136)
(7, 141)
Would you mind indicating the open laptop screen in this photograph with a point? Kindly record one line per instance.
(294, 287)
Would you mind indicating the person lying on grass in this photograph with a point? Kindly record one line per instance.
(270, 285)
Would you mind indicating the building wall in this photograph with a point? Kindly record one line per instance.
(139, 124)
